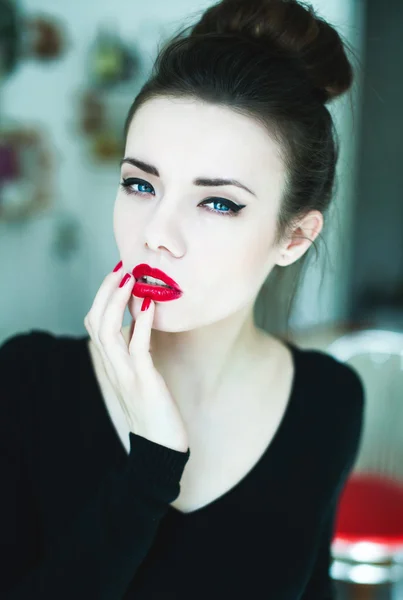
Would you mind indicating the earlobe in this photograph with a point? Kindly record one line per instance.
(284, 259)
(295, 249)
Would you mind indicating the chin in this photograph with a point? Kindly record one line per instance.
(134, 307)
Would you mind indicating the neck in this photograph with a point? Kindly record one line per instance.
(196, 364)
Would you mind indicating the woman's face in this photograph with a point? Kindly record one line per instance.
(215, 241)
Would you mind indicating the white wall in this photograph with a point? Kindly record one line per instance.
(41, 290)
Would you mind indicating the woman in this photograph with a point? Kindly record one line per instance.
(192, 455)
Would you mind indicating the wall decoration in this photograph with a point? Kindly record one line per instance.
(113, 69)
(25, 174)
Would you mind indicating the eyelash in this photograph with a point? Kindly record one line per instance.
(234, 208)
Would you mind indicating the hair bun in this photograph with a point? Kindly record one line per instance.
(293, 27)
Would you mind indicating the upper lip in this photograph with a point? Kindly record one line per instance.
(143, 269)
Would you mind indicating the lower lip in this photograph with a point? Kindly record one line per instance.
(155, 292)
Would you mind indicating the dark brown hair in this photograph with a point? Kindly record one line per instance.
(274, 61)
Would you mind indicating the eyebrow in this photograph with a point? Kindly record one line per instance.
(202, 181)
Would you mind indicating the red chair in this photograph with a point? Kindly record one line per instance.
(368, 542)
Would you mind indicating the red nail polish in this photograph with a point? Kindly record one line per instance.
(146, 304)
(118, 266)
(124, 280)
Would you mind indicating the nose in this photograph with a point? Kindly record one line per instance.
(163, 231)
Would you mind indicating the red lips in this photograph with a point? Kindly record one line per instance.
(143, 269)
(155, 292)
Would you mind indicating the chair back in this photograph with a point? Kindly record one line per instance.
(377, 356)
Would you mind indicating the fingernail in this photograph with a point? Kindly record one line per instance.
(146, 304)
(118, 266)
(124, 280)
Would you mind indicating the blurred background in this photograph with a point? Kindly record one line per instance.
(68, 74)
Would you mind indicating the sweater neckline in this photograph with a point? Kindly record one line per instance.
(108, 426)
(269, 449)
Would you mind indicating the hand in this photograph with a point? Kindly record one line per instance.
(141, 391)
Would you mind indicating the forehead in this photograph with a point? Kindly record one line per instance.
(202, 138)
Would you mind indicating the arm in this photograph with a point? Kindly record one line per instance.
(99, 554)
(320, 585)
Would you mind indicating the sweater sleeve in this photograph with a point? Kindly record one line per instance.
(99, 554)
(320, 585)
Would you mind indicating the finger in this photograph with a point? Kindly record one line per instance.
(131, 329)
(96, 312)
(98, 348)
(111, 326)
(139, 343)
(92, 319)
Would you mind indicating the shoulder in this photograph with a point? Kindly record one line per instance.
(329, 408)
(32, 345)
(20, 367)
(20, 356)
(328, 375)
(21, 343)
(31, 357)
(332, 393)
(36, 357)
(24, 353)
(30, 367)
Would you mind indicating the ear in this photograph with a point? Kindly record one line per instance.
(305, 232)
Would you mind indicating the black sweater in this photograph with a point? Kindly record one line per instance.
(82, 519)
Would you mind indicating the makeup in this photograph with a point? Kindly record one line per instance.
(156, 293)
(155, 284)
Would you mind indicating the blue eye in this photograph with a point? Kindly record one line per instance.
(231, 208)
(128, 183)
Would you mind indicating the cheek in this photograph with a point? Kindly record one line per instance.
(126, 229)
(250, 258)
(234, 268)
(117, 217)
